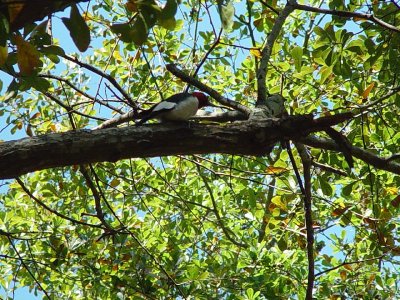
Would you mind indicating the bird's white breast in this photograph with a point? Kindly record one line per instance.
(183, 110)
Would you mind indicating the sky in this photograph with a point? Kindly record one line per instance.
(66, 43)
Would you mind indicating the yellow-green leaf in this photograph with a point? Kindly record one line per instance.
(3, 55)
(277, 200)
(256, 52)
(297, 54)
(27, 56)
(226, 12)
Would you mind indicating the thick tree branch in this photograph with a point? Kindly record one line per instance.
(266, 52)
(307, 199)
(378, 162)
(111, 144)
(213, 93)
(202, 115)
(29, 11)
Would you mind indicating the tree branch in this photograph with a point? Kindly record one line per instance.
(347, 14)
(31, 11)
(213, 93)
(97, 200)
(73, 221)
(306, 160)
(27, 268)
(349, 263)
(111, 144)
(266, 52)
(104, 75)
(327, 168)
(70, 109)
(378, 162)
(202, 115)
(225, 230)
(71, 85)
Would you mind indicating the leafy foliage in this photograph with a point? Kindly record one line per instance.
(210, 226)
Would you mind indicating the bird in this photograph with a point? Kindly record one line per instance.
(178, 107)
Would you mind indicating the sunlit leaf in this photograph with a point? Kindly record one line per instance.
(226, 13)
(297, 53)
(27, 56)
(366, 92)
(256, 52)
(275, 170)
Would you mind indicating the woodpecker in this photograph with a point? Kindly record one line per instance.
(178, 107)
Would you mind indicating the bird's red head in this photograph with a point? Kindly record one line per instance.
(203, 99)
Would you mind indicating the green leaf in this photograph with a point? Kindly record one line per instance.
(325, 187)
(140, 31)
(226, 13)
(166, 18)
(124, 31)
(52, 52)
(347, 189)
(169, 24)
(169, 10)
(39, 83)
(136, 32)
(325, 72)
(319, 31)
(297, 53)
(4, 30)
(78, 29)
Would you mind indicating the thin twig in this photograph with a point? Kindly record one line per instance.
(97, 200)
(328, 168)
(104, 75)
(366, 156)
(74, 87)
(216, 212)
(203, 60)
(347, 14)
(269, 6)
(25, 189)
(27, 269)
(348, 263)
(213, 93)
(157, 262)
(70, 109)
(393, 92)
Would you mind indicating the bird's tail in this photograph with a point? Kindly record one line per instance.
(145, 115)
